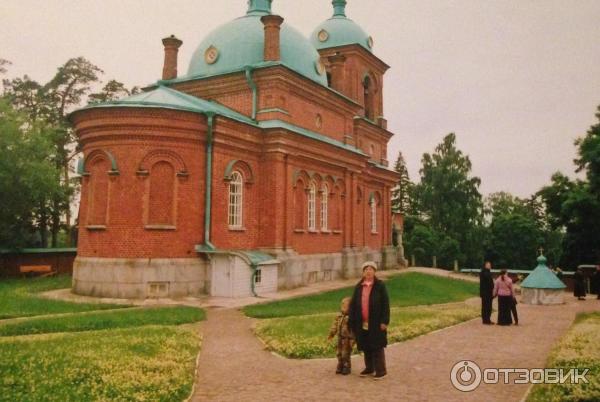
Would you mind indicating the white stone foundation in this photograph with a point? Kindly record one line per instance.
(139, 278)
(542, 296)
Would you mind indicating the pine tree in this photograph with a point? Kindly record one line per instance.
(401, 192)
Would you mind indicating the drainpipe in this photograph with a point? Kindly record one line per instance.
(207, 200)
(252, 85)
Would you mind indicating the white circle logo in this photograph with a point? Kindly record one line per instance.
(465, 375)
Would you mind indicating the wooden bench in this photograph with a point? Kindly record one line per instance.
(42, 270)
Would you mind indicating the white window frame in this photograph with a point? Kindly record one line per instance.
(236, 200)
(312, 206)
(324, 207)
(373, 215)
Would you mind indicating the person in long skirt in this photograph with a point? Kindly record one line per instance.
(579, 285)
(503, 288)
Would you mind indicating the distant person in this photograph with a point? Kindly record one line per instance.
(369, 319)
(596, 281)
(486, 292)
(579, 284)
(345, 338)
(513, 307)
(503, 288)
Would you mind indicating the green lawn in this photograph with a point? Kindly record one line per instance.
(305, 337)
(129, 354)
(578, 348)
(420, 304)
(410, 289)
(98, 320)
(150, 363)
(18, 298)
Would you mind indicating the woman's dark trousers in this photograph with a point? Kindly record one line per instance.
(505, 304)
(375, 361)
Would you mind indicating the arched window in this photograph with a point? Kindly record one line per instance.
(299, 207)
(312, 206)
(373, 215)
(161, 202)
(98, 191)
(236, 199)
(324, 210)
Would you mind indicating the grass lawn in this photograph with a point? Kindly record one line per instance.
(97, 320)
(410, 289)
(298, 327)
(578, 348)
(18, 299)
(129, 354)
(150, 363)
(305, 337)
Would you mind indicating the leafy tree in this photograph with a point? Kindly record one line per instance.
(448, 198)
(401, 192)
(574, 205)
(3, 63)
(113, 90)
(28, 176)
(49, 104)
(589, 156)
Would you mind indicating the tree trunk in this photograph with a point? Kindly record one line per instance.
(43, 227)
(68, 212)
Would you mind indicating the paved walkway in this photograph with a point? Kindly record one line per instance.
(233, 365)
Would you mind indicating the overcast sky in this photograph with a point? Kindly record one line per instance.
(516, 80)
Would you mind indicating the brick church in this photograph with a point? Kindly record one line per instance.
(262, 168)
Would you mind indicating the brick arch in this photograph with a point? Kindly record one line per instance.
(375, 195)
(159, 155)
(97, 169)
(301, 176)
(243, 167)
(94, 155)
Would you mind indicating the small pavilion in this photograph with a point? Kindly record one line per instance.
(542, 286)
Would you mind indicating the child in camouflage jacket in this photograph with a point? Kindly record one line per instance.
(345, 341)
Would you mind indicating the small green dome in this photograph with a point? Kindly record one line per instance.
(240, 43)
(339, 30)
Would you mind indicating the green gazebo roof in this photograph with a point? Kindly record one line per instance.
(542, 277)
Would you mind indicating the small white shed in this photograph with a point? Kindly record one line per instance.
(242, 273)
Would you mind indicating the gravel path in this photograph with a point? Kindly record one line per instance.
(233, 365)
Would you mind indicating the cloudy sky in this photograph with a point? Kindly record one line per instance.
(516, 80)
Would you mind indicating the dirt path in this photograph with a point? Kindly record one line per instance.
(234, 367)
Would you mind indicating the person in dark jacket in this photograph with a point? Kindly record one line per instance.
(486, 292)
(369, 319)
(596, 281)
(579, 285)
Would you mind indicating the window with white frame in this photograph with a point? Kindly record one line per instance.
(373, 215)
(235, 200)
(324, 200)
(312, 205)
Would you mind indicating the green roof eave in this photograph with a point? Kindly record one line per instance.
(252, 257)
(167, 98)
(270, 124)
(379, 165)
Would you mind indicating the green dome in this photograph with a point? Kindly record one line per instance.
(240, 43)
(339, 31)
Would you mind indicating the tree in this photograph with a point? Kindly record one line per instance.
(448, 198)
(589, 156)
(3, 63)
(113, 90)
(401, 192)
(574, 205)
(28, 176)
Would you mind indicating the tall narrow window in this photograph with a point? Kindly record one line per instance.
(98, 192)
(367, 97)
(235, 200)
(162, 194)
(373, 215)
(312, 206)
(324, 211)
